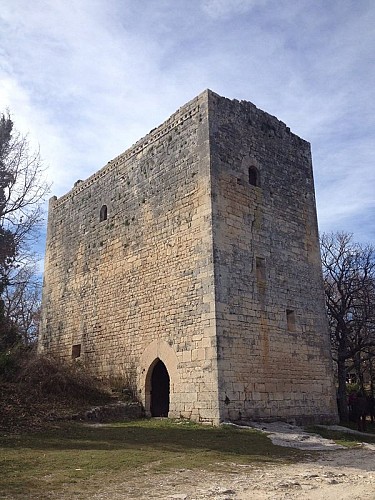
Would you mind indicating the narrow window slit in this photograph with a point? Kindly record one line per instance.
(103, 213)
(291, 320)
(260, 265)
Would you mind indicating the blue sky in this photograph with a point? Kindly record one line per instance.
(87, 78)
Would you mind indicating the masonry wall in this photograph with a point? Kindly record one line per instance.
(267, 268)
(194, 265)
(140, 285)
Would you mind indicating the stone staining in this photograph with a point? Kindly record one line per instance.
(190, 264)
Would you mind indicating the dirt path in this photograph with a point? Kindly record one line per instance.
(335, 475)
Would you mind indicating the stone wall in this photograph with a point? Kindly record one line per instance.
(170, 253)
(273, 345)
(138, 286)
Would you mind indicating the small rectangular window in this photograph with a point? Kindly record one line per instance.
(76, 351)
(291, 320)
(260, 265)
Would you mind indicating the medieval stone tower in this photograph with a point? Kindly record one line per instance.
(191, 264)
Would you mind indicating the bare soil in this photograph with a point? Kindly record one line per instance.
(327, 472)
(333, 475)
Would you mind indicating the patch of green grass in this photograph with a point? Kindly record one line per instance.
(80, 458)
(343, 438)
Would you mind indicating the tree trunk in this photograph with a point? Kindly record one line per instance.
(358, 370)
(341, 392)
(371, 377)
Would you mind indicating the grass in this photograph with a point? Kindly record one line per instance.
(75, 459)
(370, 427)
(345, 438)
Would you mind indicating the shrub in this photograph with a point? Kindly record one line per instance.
(8, 365)
(51, 376)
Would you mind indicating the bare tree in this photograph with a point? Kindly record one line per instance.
(349, 282)
(23, 187)
(22, 300)
(22, 191)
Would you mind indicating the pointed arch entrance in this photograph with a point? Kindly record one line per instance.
(153, 378)
(160, 386)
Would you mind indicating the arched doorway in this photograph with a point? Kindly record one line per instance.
(159, 390)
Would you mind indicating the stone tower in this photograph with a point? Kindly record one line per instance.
(190, 264)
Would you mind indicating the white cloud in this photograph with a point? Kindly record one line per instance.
(88, 78)
(224, 8)
(23, 114)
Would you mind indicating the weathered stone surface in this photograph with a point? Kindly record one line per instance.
(195, 265)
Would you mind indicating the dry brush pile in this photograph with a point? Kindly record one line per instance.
(38, 389)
